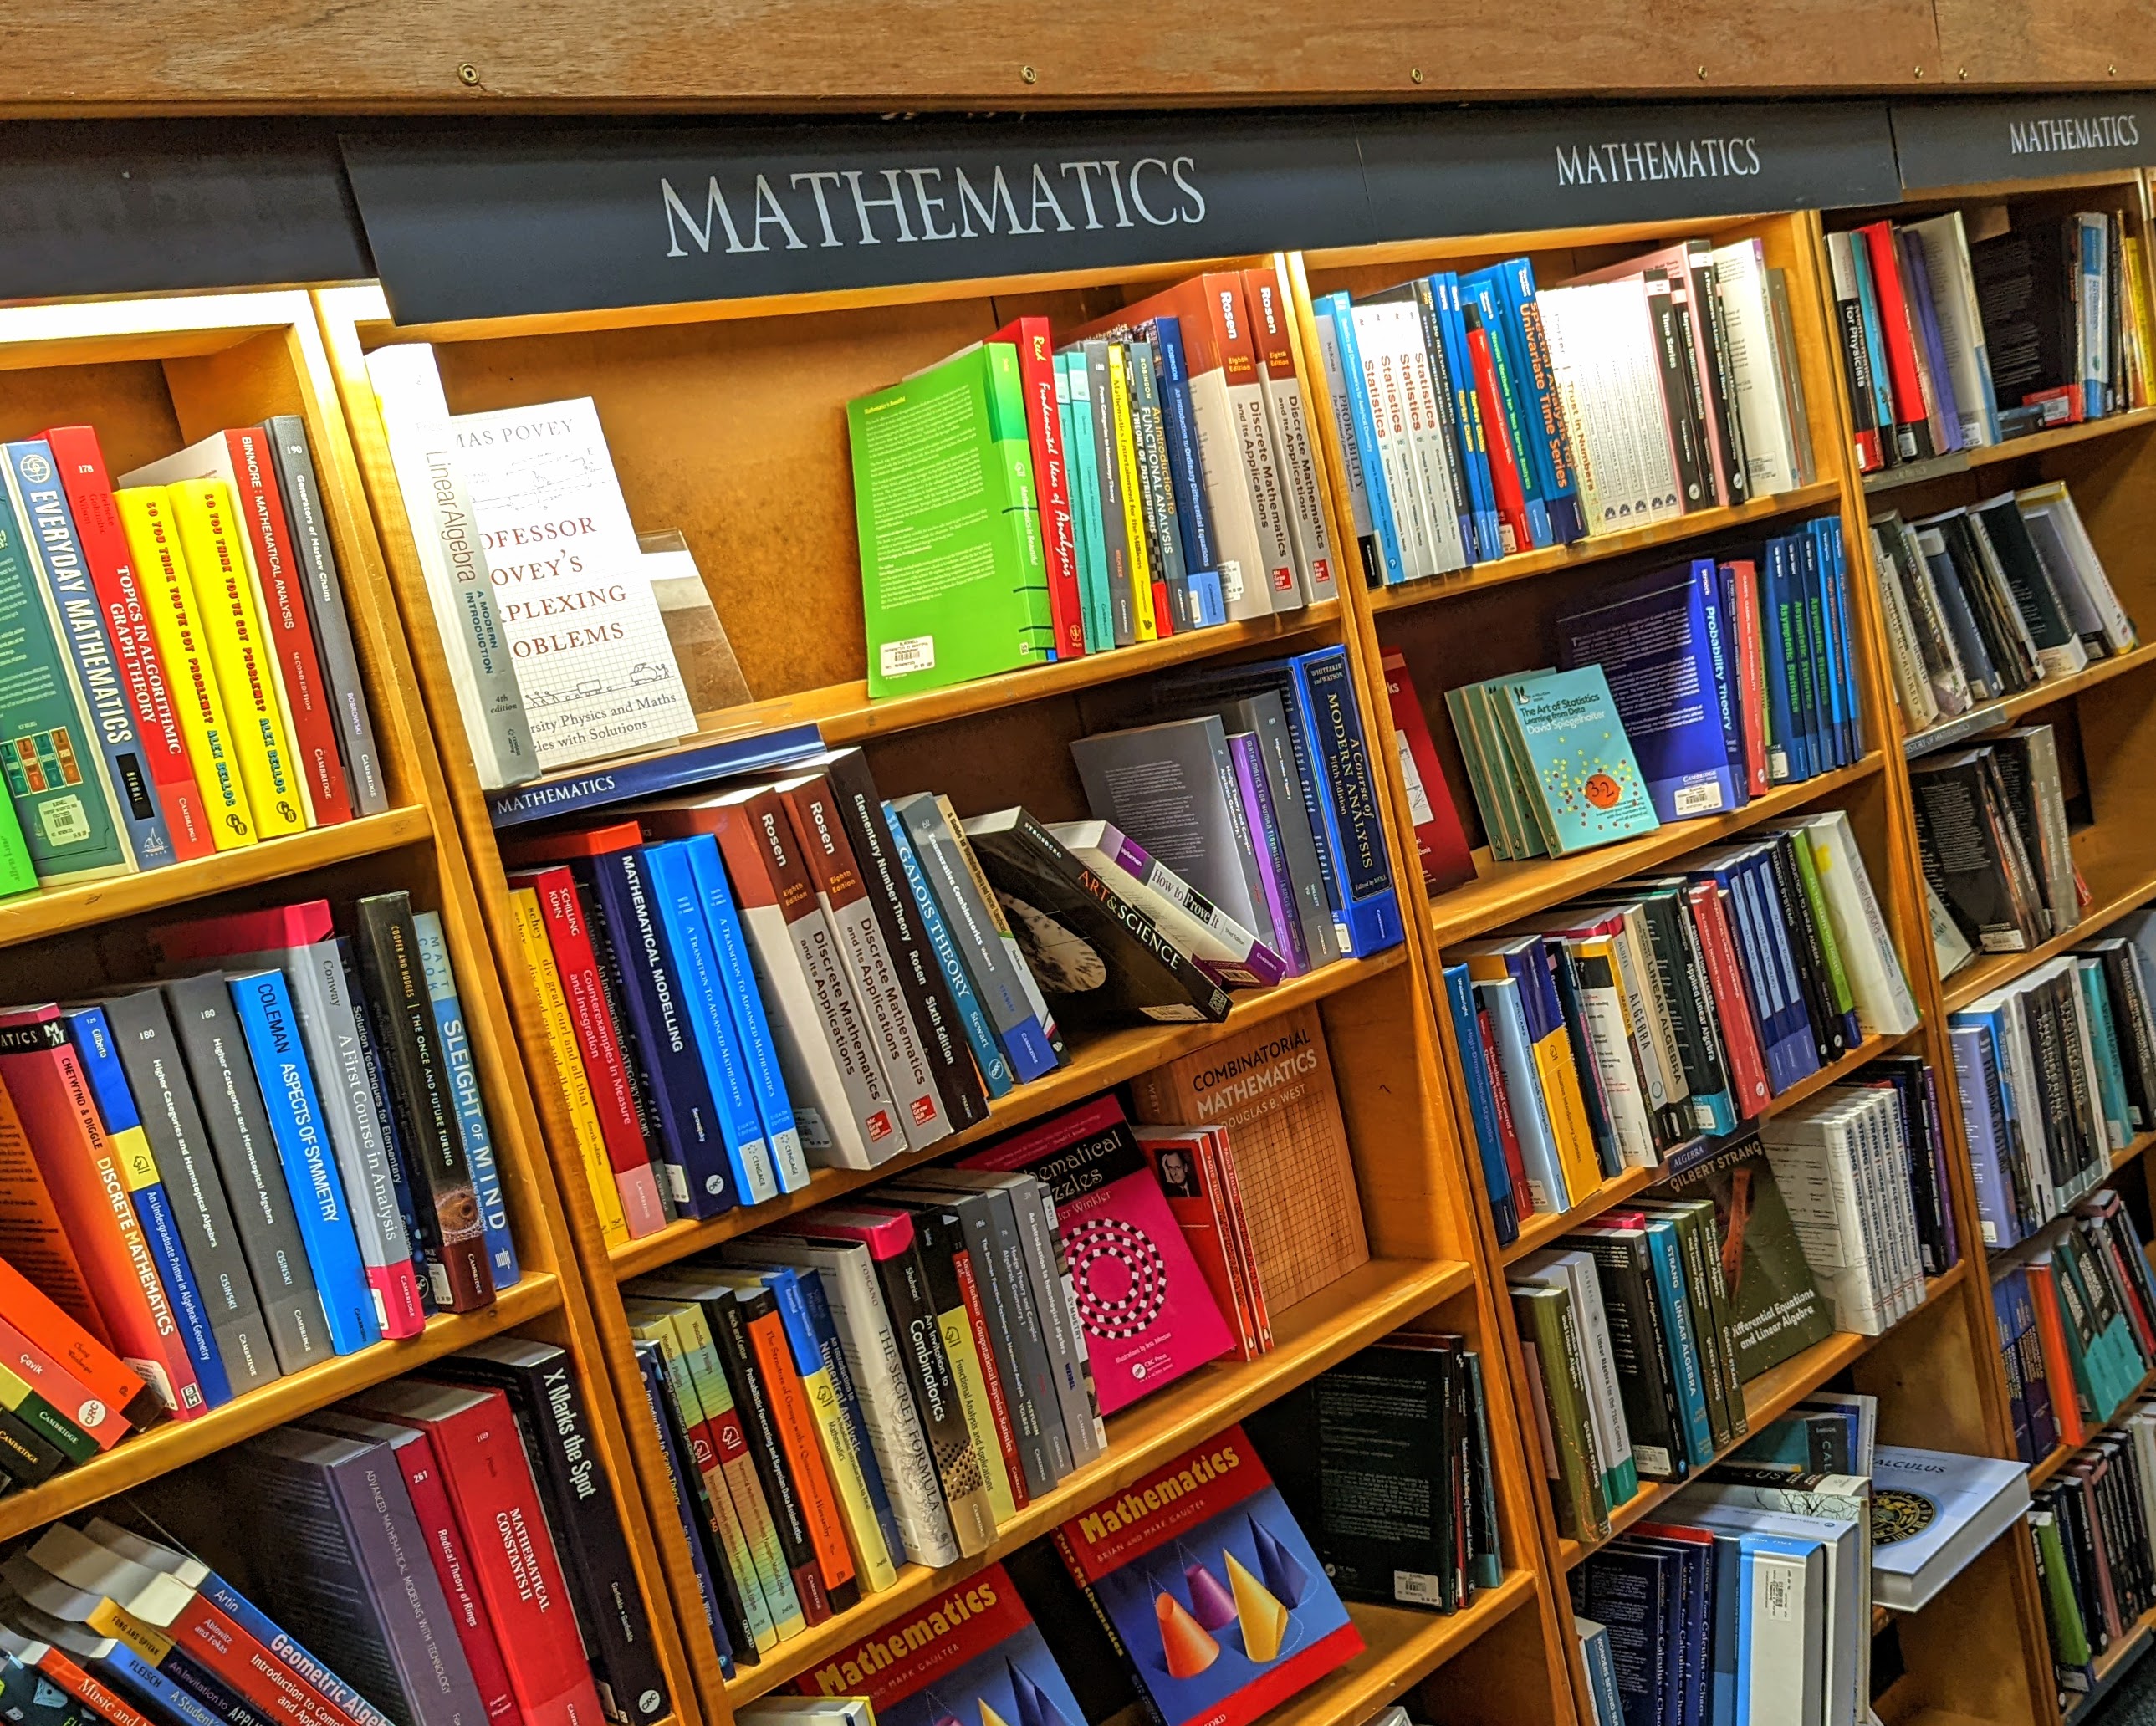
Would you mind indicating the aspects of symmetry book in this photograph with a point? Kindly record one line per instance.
(1206, 1584)
(972, 1656)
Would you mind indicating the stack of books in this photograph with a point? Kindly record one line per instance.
(1986, 601)
(222, 1266)
(2053, 1072)
(1482, 416)
(1617, 1030)
(179, 664)
(2075, 1325)
(1992, 833)
(1950, 345)
(435, 1538)
(2093, 1525)
(1149, 475)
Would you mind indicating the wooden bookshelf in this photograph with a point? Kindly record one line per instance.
(1994, 716)
(2035, 443)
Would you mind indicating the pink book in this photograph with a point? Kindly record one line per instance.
(1147, 1314)
(300, 941)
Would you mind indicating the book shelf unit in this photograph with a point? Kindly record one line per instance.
(727, 421)
(152, 375)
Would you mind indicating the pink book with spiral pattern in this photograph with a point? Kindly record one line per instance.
(1148, 1316)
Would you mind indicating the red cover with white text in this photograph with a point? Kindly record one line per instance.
(1440, 841)
(1897, 325)
(1742, 578)
(1051, 479)
(1740, 1033)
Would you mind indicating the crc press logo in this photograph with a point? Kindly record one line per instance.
(36, 468)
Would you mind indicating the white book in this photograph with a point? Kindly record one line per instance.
(1205, 934)
(1815, 1163)
(1403, 471)
(1945, 242)
(1343, 423)
(1844, 1607)
(1942, 662)
(1287, 423)
(593, 660)
(1434, 450)
(1740, 280)
(415, 419)
(1217, 413)
(1884, 1005)
(1575, 1273)
(1610, 1047)
(1581, 378)
(1912, 686)
(1972, 1500)
(2070, 557)
(1262, 480)
(1787, 1591)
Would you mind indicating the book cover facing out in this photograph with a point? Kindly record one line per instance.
(971, 1657)
(1222, 1609)
(1585, 777)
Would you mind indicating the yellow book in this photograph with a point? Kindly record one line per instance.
(2141, 328)
(168, 595)
(1550, 1047)
(568, 1063)
(232, 624)
(1127, 468)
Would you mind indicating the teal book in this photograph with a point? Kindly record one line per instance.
(1564, 732)
(953, 583)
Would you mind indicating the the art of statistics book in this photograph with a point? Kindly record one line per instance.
(1215, 1598)
(1581, 769)
(971, 1657)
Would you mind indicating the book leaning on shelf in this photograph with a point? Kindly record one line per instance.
(2095, 1563)
(1993, 838)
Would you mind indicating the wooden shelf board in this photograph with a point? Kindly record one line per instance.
(1961, 461)
(2113, 1664)
(1766, 1398)
(2132, 1148)
(1401, 1648)
(1095, 1065)
(175, 1443)
(1992, 715)
(2113, 891)
(57, 910)
(1367, 1303)
(1700, 524)
(1545, 1226)
(1507, 892)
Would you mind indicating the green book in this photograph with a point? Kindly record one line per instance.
(1569, 1458)
(1579, 770)
(60, 826)
(953, 582)
(2070, 1642)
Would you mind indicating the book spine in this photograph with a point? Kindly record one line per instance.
(1388, 566)
(816, 1308)
(674, 1447)
(1052, 480)
(1553, 442)
(450, 1556)
(767, 1451)
(1293, 444)
(1193, 512)
(470, 1107)
(309, 714)
(62, 1361)
(1347, 798)
(450, 1232)
(973, 1376)
(847, 1469)
(1018, 1334)
(1145, 618)
(1106, 470)
(569, 1065)
(995, 1071)
(1171, 576)
(1055, 1304)
(300, 487)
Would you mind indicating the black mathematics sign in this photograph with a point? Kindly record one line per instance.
(122, 206)
(1956, 142)
(496, 222)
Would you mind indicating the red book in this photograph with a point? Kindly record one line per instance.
(569, 935)
(1743, 576)
(1440, 841)
(496, 1504)
(1187, 1175)
(89, 1191)
(141, 668)
(1913, 424)
(2058, 1365)
(1222, 1155)
(1732, 1010)
(1051, 479)
(1508, 1132)
(56, 1354)
(1497, 439)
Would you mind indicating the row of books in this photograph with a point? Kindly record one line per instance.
(1992, 833)
(2053, 1072)
(1951, 344)
(1153, 474)
(1618, 1029)
(224, 1264)
(2094, 1526)
(178, 665)
(1043, 1284)
(1988, 599)
(1482, 416)
(1640, 1344)
(2075, 1313)
(431, 1551)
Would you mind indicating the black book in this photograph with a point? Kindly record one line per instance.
(1098, 959)
(540, 1382)
(921, 977)
(1985, 680)
(2137, 1030)
(1675, 954)
(1959, 839)
(1829, 1033)
(2011, 759)
(1928, 1202)
(1683, 398)
(1646, 1382)
(2060, 1146)
(2025, 297)
(2058, 647)
(385, 1110)
(2006, 640)
(27, 1457)
(724, 1616)
(2022, 872)
(222, 1073)
(451, 1230)
(1721, 381)
(2090, 1146)
(1486, 1554)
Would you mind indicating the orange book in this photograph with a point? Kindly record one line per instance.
(2058, 1365)
(804, 1453)
(63, 1362)
(33, 1239)
(108, 1704)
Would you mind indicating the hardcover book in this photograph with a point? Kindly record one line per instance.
(1208, 1588)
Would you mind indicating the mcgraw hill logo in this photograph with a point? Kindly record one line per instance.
(907, 206)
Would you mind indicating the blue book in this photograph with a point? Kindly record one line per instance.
(272, 1029)
(2095, 247)
(1916, 280)
(1801, 1687)
(1654, 639)
(1384, 529)
(91, 1035)
(1686, 1626)
(654, 775)
(1811, 692)
(312, 1671)
(1831, 667)
(996, 1075)
(1727, 1697)
(656, 1396)
(1193, 510)
(1786, 1038)
(1628, 1586)
(1875, 341)
(698, 994)
(751, 1020)
(1980, 1081)
(1835, 564)
(1784, 640)
(1086, 504)
(48, 536)
(1482, 1103)
(1722, 655)
(1666, 1259)
(467, 1104)
(1448, 404)
(1523, 1090)
(1601, 1664)
(1325, 712)
(1546, 428)
(1459, 361)
(118, 1665)
(1487, 290)
(817, 1306)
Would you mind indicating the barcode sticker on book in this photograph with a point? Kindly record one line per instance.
(1702, 799)
(1416, 1589)
(916, 653)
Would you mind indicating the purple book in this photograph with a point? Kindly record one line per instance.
(1928, 333)
(1977, 1073)
(1266, 847)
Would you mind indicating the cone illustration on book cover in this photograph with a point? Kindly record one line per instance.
(1263, 1618)
(1184, 1643)
(939, 1714)
(989, 1717)
(1034, 1707)
(1210, 1603)
(1284, 1575)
